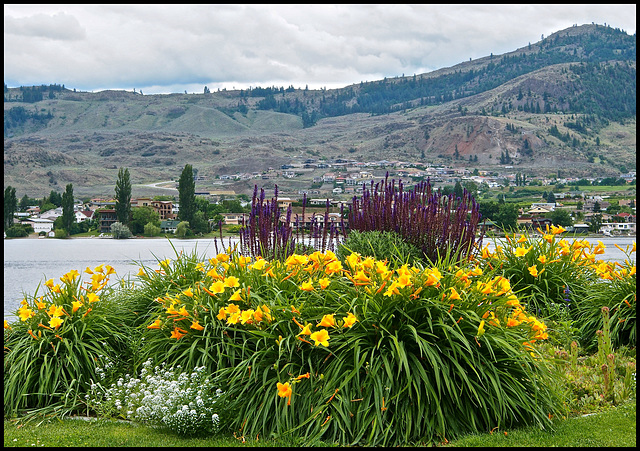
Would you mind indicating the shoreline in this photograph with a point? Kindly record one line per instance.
(95, 237)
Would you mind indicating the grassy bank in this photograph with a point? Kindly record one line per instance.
(614, 427)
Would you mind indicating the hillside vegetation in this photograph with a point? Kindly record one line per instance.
(566, 102)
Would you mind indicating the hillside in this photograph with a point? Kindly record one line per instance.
(566, 103)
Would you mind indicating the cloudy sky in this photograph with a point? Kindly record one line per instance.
(173, 48)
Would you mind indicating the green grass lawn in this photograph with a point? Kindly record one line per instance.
(614, 427)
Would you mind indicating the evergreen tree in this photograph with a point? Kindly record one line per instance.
(551, 198)
(123, 196)
(186, 195)
(55, 198)
(68, 216)
(10, 206)
(457, 190)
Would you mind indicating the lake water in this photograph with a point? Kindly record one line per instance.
(29, 262)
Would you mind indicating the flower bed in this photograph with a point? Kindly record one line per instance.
(353, 351)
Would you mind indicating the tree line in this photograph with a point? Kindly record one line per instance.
(195, 213)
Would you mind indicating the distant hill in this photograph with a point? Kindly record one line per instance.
(566, 103)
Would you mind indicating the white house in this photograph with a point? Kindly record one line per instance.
(52, 214)
(618, 228)
(39, 224)
(82, 216)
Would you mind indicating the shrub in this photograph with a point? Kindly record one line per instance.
(151, 229)
(385, 245)
(358, 353)
(16, 231)
(182, 229)
(552, 276)
(616, 291)
(436, 224)
(186, 403)
(52, 350)
(120, 231)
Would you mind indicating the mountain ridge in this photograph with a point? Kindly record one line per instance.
(547, 115)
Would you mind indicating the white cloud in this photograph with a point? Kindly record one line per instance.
(60, 27)
(170, 48)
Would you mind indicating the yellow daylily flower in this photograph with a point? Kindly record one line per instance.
(75, 306)
(454, 295)
(306, 330)
(258, 315)
(156, 325)
(217, 287)
(55, 322)
(324, 283)
(353, 259)
(236, 296)
(222, 313)
(259, 264)
(521, 251)
(362, 277)
(246, 316)
(321, 337)
(333, 267)
(188, 292)
(70, 276)
(533, 270)
(349, 320)
(55, 310)
(481, 329)
(232, 282)
(25, 313)
(307, 286)
(233, 318)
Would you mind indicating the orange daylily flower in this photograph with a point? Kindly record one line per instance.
(196, 325)
(327, 321)
(285, 391)
(178, 333)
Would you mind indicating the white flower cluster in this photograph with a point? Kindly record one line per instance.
(186, 403)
